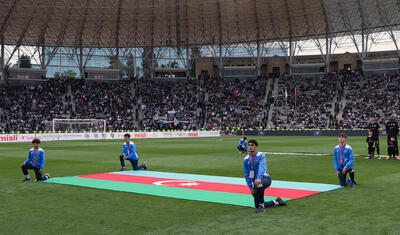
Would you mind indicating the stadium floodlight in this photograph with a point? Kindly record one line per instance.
(79, 125)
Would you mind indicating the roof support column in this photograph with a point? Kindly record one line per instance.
(328, 39)
(220, 61)
(134, 62)
(178, 23)
(327, 54)
(117, 55)
(79, 38)
(117, 36)
(259, 60)
(2, 67)
(290, 61)
(365, 30)
(43, 55)
(81, 62)
(290, 58)
(153, 17)
(60, 63)
(363, 50)
(42, 38)
(364, 37)
(188, 64)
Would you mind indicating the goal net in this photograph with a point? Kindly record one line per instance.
(79, 125)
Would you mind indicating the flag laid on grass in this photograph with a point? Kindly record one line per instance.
(218, 189)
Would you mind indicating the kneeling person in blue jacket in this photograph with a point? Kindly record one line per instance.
(257, 177)
(242, 145)
(35, 161)
(129, 152)
(343, 161)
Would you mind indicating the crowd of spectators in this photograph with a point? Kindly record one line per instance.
(113, 101)
(376, 96)
(235, 103)
(147, 104)
(303, 103)
(3, 122)
(169, 105)
(29, 107)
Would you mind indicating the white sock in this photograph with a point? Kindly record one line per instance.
(27, 176)
(275, 202)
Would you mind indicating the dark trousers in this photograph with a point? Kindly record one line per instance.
(27, 166)
(376, 139)
(259, 193)
(392, 152)
(241, 148)
(395, 139)
(133, 162)
(371, 151)
(342, 177)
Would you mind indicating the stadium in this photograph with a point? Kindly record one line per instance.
(187, 80)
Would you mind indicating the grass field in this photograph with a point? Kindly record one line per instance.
(373, 207)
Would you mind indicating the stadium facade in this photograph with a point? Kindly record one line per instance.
(118, 27)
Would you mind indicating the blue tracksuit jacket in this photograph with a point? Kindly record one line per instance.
(259, 167)
(36, 158)
(130, 150)
(348, 157)
(241, 143)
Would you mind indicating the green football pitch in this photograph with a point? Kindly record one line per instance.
(373, 207)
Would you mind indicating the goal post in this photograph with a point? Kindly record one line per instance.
(79, 125)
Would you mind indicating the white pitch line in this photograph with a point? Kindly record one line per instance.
(303, 154)
(309, 154)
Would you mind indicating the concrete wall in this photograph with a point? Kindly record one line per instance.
(269, 63)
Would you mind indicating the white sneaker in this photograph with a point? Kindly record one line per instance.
(47, 176)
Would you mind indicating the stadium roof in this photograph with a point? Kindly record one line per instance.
(136, 23)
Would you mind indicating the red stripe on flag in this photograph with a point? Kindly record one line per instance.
(200, 185)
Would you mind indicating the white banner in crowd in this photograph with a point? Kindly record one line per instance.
(7, 138)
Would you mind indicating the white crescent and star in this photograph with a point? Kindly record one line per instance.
(175, 183)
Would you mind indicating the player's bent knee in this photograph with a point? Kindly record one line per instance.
(266, 182)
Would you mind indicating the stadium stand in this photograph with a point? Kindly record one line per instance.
(310, 108)
(169, 105)
(235, 103)
(29, 107)
(376, 96)
(115, 102)
(334, 101)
